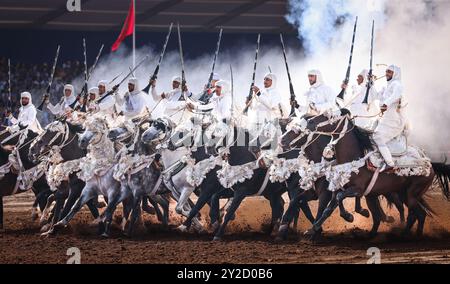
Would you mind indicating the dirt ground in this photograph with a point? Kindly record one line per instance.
(244, 242)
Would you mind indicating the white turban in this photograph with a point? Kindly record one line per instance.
(216, 77)
(95, 91)
(26, 95)
(103, 83)
(272, 77)
(69, 87)
(364, 73)
(319, 78)
(134, 81)
(224, 85)
(176, 79)
(397, 72)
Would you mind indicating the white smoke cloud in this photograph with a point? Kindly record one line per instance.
(412, 34)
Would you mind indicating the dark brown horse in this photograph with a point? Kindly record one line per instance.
(352, 146)
(8, 182)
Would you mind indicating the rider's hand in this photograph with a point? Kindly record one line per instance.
(185, 88)
(163, 95)
(344, 86)
(383, 108)
(255, 89)
(152, 82)
(190, 106)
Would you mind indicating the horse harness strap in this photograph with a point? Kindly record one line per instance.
(372, 182)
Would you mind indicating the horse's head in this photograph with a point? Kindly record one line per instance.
(53, 135)
(157, 130)
(118, 133)
(95, 128)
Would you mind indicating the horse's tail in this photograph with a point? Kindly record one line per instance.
(442, 172)
(425, 206)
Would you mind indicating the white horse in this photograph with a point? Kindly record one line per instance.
(97, 170)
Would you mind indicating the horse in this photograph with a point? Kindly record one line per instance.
(9, 183)
(97, 171)
(60, 138)
(313, 145)
(351, 144)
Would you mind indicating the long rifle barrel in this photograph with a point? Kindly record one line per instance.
(47, 92)
(370, 79)
(291, 87)
(249, 97)
(347, 74)
(205, 96)
(155, 73)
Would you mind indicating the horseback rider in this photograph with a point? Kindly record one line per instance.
(392, 123)
(354, 101)
(65, 102)
(106, 106)
(27, 115)
(320, 97)
(174, 100)
(220, 102)
(266, 103)
(133, 102)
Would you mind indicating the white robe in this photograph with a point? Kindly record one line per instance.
(393, 122)
(27, 117)
(354, 103)
(174, 107)
(322, 97)
(60, 108)
(220, 105)
(265, 107)
(134, 103)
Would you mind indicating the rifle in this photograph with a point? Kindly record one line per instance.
(205, 96)
(155, 73)
(183, 75)
(118, 85)
(249, 97)
(232, 90)
(9, 85)
(47, 92)
(294, 103)
(370, 79)
(347, 74)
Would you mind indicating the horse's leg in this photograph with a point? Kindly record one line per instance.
(40, 200)
(135, 212)
(358, 208)
(185, 194)
(239, 195)
(117, 193)
(374, 206)
(46, 210)
(291, 212)
(1, 213)
(160, 200)
(317, 226)
(60, 197)
(341, 196)
(293, 190)
(394, 198)
(421, 216)
(88, 193)
(205, 195)
(151, 210)
(215, 211)
(277, 205)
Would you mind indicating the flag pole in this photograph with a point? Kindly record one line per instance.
(134, 34)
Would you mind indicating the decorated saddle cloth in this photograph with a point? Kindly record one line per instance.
(409, 160)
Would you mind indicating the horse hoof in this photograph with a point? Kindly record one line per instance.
(347, 217)
(216, 239)
(182, 228)
(50, 232)
(364, 212)
(105, 235)
(389, 219)
(34, 215)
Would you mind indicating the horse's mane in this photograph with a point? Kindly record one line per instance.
(364, 138)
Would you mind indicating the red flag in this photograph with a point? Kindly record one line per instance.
(127, 28)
